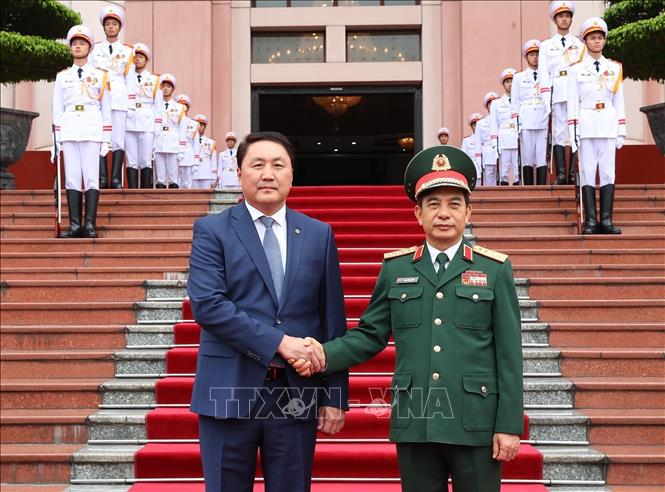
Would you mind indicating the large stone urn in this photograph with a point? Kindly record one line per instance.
(15, 128)
(656, 116)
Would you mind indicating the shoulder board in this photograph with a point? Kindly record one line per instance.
(576, 63)
(101, 69)
(129, 45)
(500, 257)
(98, 42)
(400, 252)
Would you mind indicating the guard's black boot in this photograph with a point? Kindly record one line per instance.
(560, 164)
(571, 167)
(116, 169)
(103, 173)
(589, 202)
(528, 175)
(504, 183)
(91, 201)
(606, 205)
(160, 185)
(74, 199)
(146, 177)
(541, 175)
(174, 185)
(132, 178)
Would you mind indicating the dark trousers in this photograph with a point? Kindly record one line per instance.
(229, 447)
(425, 467)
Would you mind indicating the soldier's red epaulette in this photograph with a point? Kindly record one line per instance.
(399, 252)
(495, 255)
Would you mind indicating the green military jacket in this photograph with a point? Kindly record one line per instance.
(458, 369)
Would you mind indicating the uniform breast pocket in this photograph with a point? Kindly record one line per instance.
(480, 402)
(473, 307)
(405, 309)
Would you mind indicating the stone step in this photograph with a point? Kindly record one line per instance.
(635, 465)
(127, 205)
(557, 243)
(597, 288)
(50, 393)
(52, 245)
(145, 195)
(36, 463)
(609, 334)
(91, 273)
(619, 392)
(61, 337)
(627, 426)
(45, 426)
(103, 231)
(642, 310)
(488, 230)
(70, 290)
(45, 262)
(108, 217)
(52, 364)
(41, 488)
(624, 362)
(67, 313)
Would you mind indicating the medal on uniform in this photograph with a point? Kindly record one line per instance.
(475, 278)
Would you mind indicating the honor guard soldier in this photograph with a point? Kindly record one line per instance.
(203, 177)
(597, 123)
(557, 54)
(531, 105)
(169, 135)
(117, 59)
(227, 173)
(452, 310)
(191, 157)
(443, 134)
(82, 125)
(486, 143)
(144, 100)
(469, 142)
(504, 125)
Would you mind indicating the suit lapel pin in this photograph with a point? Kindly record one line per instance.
(297, 230)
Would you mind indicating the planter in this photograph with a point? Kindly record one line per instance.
(15, 128)
(656, 116)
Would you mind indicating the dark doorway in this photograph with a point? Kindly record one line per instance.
(344, 136)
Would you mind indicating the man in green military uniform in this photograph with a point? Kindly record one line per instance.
(453, 312)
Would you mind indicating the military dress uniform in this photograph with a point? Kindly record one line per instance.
(556, 56)
(203, 177)
(486, 142)
(191, 156)
(82, 123)
(227, 168)
(469, 143)
(118, 60)
(597, 125)
(169, 139)
(504, 126)
(144, 99)
(531, 105)
(458, 355)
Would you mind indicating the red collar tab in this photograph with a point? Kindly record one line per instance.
(418, 254)
(468, 252)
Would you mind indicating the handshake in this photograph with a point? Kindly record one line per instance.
(305, 355)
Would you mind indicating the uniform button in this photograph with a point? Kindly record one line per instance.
(279, 321)
(437, 321)
(435, 376)
(439, 295)
(474, 297)
(437, 348)
(483, 389)
(403, 296)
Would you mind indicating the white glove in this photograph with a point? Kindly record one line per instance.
(55, 152)
(620, 140)
(104, 149)
(181, 156)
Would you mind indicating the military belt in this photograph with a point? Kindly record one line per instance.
(78, 108)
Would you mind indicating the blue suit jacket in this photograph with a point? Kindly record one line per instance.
(243, 322)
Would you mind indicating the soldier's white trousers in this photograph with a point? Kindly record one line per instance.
(489, 175)
(202, 184)
(185, 176)
(166, 168)
(560, 123)
(508, 165)
(597, 153)
(119, 122)
(533, 147)
(138, 149)
(81, 165)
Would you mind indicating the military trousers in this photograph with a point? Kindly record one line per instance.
(597, 154)
(425, 467)
(533, 147)
(81, 165)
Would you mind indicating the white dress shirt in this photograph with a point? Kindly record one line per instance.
(450, 253)
(278, 227)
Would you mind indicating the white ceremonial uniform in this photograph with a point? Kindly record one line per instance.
(82, 121)
(504, 125)
(469, 146)
(227, 169)
(597, 113)
(530, 104)
(554, 59)
(145, 98)
(191, 156)
(203, 173)
(485, 143)
(169, 141)
(118, 62)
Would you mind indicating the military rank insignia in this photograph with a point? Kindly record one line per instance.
(477, 279)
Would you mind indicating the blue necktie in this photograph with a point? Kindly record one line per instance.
(273, 254)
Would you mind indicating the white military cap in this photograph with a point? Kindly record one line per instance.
(201, 118)
(529, 46)
(167, 77)
(473, 117)
(593, 24)
(490, 96)
(82, 32)
(507, 73)
(561, 6)
(142, 48)
(230, 135)
(184, 98)
(443, 130)
(112, 11)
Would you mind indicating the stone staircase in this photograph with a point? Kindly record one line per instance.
(87, 325)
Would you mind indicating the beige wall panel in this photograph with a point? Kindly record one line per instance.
(222, 71)
(337, 73)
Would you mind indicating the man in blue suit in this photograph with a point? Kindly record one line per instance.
(262, 278)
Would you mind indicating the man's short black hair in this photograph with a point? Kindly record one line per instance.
(258, 137)
(467, 197)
